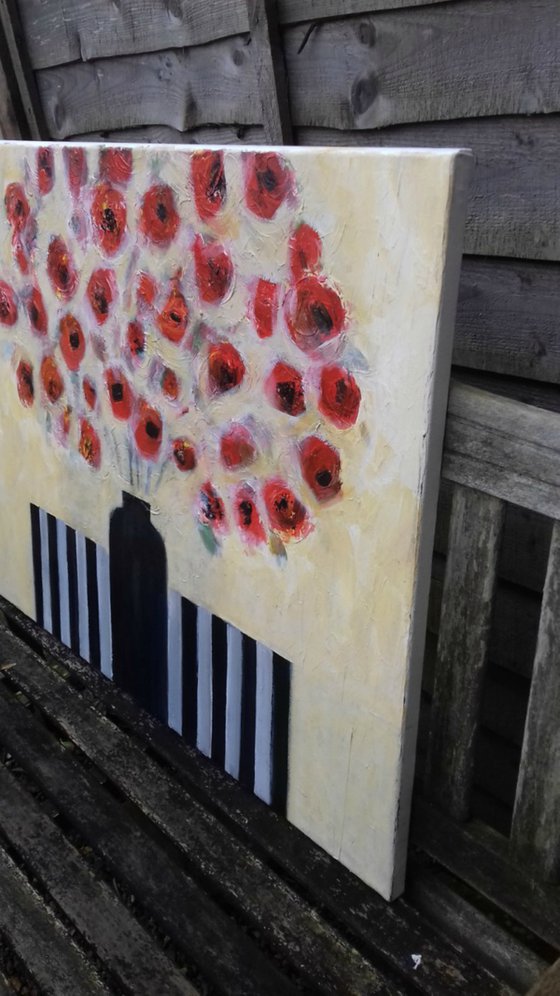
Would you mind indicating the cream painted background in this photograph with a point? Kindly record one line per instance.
(340, 606)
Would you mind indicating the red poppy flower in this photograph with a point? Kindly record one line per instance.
(17, 206)
(45, 169)
(305, 251)
(60, 268)
(184, 454)
(146, 291)
(76, 168)
(51, 379)
(25, 388)
(286, 513)
(159, 220)
(340, 397)
(268, 182)
(320, 466)
(209, 182)
(108, 213)
(101, 291)
(72, 341)
(172, 319)
(115, 165)
(19, 254)
(265, 308)
(314, 313)
(8, 306)
(247, 516)
(90, 393)
(214, 270)
(170, 384)
(211, 511)
(120, 395)
(136, 339)
(64, 423)
(284, 389)
(226, 369)
(148, 431)
(237, 447)
(37, 312)
(89, 446)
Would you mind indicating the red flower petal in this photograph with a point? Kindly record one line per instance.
(51, 379)
(148, 432)
(170, 384)
(173, 318)
(115, 165)
(72, 341)
(320, 466)
(209, 182)
(76, 169)
(340, 396)
(305, 251)
(159, 220)
(8, 306)
(237, 447)
(60, 268)
(265, 308)
(90, 392)
(146, 291)
(37, 312)
(286, 513)
(226, 369)
(214, 270)
(108, 213)
(89, 446)
(120, 394)
(45, 169)
(25, 388)
(184, 454)
(19, 253)
(101, 290)
(314, 313)
(136, 339)
(284, 389)
(268, 182)
(211, 511)
(17, 206)
(247, 516)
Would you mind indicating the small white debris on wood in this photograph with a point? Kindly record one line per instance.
(416, 961)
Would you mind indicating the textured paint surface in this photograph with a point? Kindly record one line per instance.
(247, 340)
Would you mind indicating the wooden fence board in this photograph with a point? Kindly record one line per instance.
(268, 57)
(19, 75)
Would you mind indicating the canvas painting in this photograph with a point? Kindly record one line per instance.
(224, 377)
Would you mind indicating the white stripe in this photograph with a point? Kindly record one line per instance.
(104, 604)
(174, 662)
(45, 570)
(233, 700)
(263, 725)
(63, 582)
(83, 615)
(204, 688)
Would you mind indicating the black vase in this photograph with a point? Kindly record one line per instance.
(138, 570)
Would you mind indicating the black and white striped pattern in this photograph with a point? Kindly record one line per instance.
(228, 696)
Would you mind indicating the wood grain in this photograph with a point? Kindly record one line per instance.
(270, 71)
(9, 127)
(549, 983)
(536, 819)
(19, 75)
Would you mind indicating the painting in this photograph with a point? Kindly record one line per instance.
(224, 377)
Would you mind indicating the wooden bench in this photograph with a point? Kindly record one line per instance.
(137, 866)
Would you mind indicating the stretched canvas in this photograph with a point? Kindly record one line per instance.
(224, 380)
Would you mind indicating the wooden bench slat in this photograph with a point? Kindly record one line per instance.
(535, 834)
(470, 576)
(390, 932)
(117, 938)
(195, 923)
(53, 960)
(289, 925)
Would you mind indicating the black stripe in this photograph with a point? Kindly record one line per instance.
(248, 712)
(189, 616)
(219, 682)
(36, 552)
(53, 575)
(281, 675)
(93, 605)
(73, 607)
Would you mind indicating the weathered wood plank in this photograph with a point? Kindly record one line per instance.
(53, 960)
(470, 577)
(205, 135)
(270, 71)
(116, 937)
(19, 74)
(212, 940)
(505, 448)
(385, 931)
(289, 925)
(549, 984)
(9, 127)
(536, 819)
